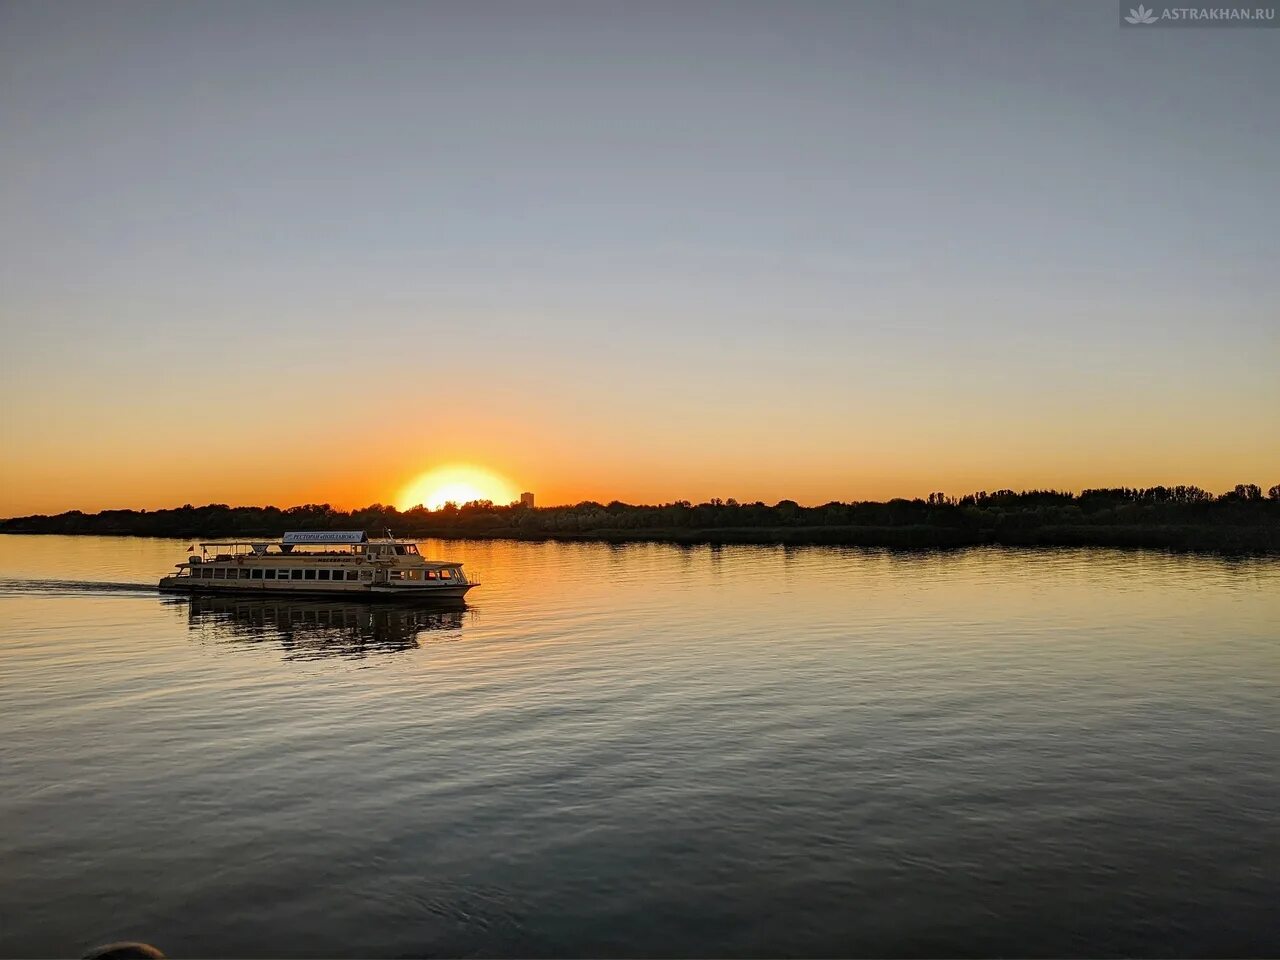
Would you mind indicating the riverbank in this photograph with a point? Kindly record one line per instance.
(917, 537)
(1175, 518)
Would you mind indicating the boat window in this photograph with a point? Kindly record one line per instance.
(431, 575)
(257, 575)
(244, 573)
(269, 574)
(219, 573)
(445, 575)
(396, 575)
(297, 574)
(309, 575)
(353, 574)
(366, 574)
(322, 574)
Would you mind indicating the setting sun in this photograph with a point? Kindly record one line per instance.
(455, 483)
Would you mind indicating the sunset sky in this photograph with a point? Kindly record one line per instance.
(302, 252)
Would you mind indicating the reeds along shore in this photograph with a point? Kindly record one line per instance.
(1181, 517)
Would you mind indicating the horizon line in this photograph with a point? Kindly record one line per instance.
(943, 499)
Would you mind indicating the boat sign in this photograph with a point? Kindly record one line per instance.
(325, 536)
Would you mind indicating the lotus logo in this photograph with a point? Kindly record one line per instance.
(1141, 15)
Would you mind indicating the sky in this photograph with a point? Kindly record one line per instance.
(306, 252)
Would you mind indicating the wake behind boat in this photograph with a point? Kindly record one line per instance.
(327, 562)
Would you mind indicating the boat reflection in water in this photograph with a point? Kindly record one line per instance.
(310, 629)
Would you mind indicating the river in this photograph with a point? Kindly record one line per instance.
(646, 750)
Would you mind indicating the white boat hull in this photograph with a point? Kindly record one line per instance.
(416, 590)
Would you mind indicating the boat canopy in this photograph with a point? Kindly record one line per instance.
(353, 538)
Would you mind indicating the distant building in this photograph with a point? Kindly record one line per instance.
(526, 499)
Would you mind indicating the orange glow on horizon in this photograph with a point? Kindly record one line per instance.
(455, 483)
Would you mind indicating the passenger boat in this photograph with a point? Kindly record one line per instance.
(328, 562)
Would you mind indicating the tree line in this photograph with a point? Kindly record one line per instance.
(1243, 518)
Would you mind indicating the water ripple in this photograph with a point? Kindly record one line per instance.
(645, 750)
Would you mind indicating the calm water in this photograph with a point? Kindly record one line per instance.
(647, 750)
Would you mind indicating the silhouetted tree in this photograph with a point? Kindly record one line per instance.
(1182, 516)
(1245, 491)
